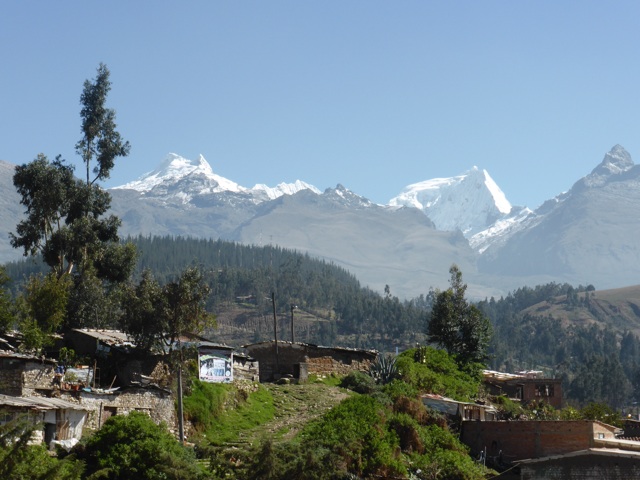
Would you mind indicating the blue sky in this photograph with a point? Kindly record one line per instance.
(373, 95)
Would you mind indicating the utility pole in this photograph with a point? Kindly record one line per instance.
(275, 329)
(180, 405)
(293, 307)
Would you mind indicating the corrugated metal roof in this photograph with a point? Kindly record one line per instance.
(39, 403)
(319, 347)
(24, 356)
(110, 337)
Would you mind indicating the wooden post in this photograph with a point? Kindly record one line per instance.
(275, 329)
(293, 339)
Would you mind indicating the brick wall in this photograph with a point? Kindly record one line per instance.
(520, 440)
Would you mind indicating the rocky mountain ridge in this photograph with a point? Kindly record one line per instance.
(583, 236)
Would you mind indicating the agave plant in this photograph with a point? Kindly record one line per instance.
(384, 369)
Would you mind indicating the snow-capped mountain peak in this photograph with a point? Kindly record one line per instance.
(284, 189)
(469, 202)
(175, 168)
(183, 179)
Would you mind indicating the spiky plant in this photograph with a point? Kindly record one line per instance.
(384, 369)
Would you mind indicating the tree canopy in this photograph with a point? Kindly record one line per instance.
(67, 225)
(157, 316)
(65, 217)
(458, 326)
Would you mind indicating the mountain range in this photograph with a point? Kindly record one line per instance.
(586, 235)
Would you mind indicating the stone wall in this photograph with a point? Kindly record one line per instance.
(159, 404)
(20, 377)
(245, 368)
(11, 380)
(329, 365)
(37, 376)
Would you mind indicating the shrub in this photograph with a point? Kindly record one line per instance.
(359, 382)
(408, 431)
(352, 437)
(437, 372)
(133, 446)
(508, 409)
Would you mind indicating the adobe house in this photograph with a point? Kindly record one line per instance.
(300, 360)
(519, 440)
(61, 420)
(524, 386)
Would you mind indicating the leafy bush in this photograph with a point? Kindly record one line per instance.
(133, 446)
(359, 382)
(601, 412)
(507, 408)
(400, 388)
(350, 435)
(437, 372)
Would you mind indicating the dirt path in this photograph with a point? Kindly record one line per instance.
(295, 406)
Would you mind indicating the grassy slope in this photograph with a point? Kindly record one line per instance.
(618, 308)
(295, 406)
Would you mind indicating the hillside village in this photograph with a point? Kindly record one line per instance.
(65, 401)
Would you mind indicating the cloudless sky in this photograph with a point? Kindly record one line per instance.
(370, 94)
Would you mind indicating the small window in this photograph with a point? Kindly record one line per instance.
(544, 390)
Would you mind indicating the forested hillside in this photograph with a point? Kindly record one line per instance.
(330, 305)
(586, 337)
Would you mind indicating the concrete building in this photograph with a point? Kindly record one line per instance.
(524, 386)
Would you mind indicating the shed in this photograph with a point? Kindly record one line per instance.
(62, 420)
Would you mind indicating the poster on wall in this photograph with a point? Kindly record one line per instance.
(216, 366)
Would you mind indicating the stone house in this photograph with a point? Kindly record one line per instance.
(24, 375)
(300, 360)
(524, 387)
(157, 402)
